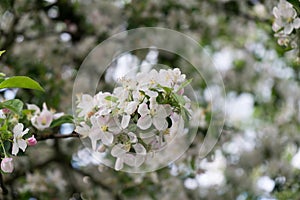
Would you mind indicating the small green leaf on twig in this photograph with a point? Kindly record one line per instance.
(111, 98)
(2, 52)
(15, 105)
(184, 84)
(62, 120)
(20, 82)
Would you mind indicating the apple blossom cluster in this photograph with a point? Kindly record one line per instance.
(140, 116)
(285, 23)
(19, 137)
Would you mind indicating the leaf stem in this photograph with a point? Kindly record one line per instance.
(2, 145)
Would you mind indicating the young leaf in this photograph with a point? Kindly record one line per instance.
(179, 99)
(14, 105)
(185, 83)
(20, 82)
(2, 52)
(62, 120)
(111, 98)
(166, 89)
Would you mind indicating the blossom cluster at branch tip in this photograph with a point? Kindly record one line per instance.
(141, 115)
(285, 22)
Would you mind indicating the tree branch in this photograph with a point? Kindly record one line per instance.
(4, 189)
(57, 136)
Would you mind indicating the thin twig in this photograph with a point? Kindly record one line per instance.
(57, 136)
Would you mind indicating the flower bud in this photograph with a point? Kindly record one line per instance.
(101, 148)
(5, 110)
(7, 165)
(31, 141)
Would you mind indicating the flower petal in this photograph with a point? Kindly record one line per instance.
(131, 107)
(288, 29)
(139, 160)
(129, 159)
(132, 137)
(18, 129)
(276, 12)
(119, 164)
(117, 151)
(143, 109)
(107, 138)
(58, 115)
(160, 123)
(94, 137)
(139, 149)
(125, 121)
(144, 122)
(296, 23)
(33, 107)
(15, 148)
(22, 144)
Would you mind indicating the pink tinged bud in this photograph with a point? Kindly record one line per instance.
(7, 165)
(180, 92)
(31, 141)
(5, 110)
(101, 148)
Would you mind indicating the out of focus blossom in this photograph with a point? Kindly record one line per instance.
(7, 165)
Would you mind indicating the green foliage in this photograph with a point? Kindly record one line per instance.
(62, 120)
(20, 82)
(2, 52)
(5, 133)
(15, 105)
(184, 84)
(111, 98)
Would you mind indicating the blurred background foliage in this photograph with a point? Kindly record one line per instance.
(257, 156)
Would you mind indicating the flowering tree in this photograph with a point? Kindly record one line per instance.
(47, 154)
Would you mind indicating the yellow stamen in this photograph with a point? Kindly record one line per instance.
(104, 128)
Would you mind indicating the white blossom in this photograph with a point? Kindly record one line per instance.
(18, 141)
(285, 17)
(156, 114)
(42, 119)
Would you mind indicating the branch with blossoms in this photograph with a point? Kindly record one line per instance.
(13, 135)
(139, 117)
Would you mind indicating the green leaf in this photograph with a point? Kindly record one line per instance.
(20, 82)
(184, 84)
(2, 52)
(62, 120)
(179, 99)
(14, 105)
(166, 89)
(111, 98)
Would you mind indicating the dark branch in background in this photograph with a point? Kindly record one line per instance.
(105, 187)
(4, 189)
(57, 136)
(68, 170)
